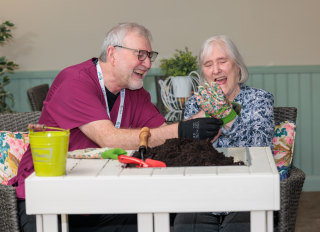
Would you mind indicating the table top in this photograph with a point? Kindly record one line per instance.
(104, 186)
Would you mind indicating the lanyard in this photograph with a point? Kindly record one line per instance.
(122, 96)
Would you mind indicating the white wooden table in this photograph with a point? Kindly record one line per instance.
(103, 186)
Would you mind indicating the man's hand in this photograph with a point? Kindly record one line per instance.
(199, 128)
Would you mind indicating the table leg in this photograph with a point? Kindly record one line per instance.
(161, 222)
(64, 223)
(145, 222)
(39, 223)
(258, 221)
(270, 221)
(50, 222)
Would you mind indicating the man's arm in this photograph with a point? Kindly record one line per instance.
(104, 133)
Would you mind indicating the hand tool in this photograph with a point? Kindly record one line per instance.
(148, 163)
(113, 153)
(132, 160)
(143, 141)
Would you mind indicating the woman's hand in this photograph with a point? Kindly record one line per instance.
(217, 136)
(200, 114)
(214, 103)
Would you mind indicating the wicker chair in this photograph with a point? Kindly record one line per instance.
(8, 200)
(37, 95)
(291, 188)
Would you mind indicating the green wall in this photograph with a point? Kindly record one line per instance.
(291, 86)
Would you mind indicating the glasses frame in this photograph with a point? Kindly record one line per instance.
(142, 54)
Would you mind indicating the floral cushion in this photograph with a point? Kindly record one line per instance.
(12, 146)
(283, 144)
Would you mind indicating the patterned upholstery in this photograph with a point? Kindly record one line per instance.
(8, 201)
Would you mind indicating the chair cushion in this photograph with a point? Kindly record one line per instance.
(12, 147)
(283, 145)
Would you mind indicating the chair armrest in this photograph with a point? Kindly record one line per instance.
(9, 209)
(290, 191)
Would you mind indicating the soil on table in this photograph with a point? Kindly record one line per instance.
(188, 152)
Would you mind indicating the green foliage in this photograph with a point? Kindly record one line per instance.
(5, 32)
(6, 67)
(181, 64)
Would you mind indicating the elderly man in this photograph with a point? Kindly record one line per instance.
(103, 104)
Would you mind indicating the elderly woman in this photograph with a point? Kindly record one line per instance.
(223, 74)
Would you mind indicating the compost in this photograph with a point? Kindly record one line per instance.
(180, 152)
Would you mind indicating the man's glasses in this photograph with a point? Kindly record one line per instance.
(142, 54)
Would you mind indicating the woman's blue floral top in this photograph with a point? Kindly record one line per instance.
(255, 126)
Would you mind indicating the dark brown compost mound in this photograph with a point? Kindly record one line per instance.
(188, 152)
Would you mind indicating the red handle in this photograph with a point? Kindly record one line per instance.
(132, 160)
(155, 163)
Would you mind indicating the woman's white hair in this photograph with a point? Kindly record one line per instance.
(232, 51)
(116, 35)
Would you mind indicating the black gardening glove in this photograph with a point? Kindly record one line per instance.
(199, 128)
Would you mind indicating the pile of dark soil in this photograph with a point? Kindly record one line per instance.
(188, 152)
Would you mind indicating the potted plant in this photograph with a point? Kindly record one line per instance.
(6, 67)
(178, 82)
(178, 69)
(181, 64)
